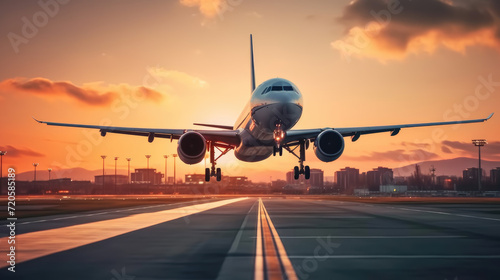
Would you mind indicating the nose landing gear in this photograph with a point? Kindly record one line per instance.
(303, 145)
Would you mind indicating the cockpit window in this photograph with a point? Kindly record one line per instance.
(280, 86)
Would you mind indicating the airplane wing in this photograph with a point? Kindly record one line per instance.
(229, 137)
(356, 132)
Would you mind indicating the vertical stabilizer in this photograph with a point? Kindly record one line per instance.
(252, 70)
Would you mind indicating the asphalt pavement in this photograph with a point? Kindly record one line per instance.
(221, 239)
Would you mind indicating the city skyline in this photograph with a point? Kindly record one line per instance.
(154, 76)
(43, 173)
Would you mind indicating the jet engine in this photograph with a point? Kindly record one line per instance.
(329, 145)
(191, 147)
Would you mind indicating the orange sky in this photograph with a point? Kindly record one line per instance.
(168, 64)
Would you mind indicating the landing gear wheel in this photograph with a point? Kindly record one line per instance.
(296, 173)
(277, 151)
(219, 175)
(207, 174)
(307, 172)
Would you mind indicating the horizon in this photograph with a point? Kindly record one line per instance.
(42, 175)
(181, 63)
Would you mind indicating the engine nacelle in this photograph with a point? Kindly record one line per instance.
(191, 147)
(329, 145)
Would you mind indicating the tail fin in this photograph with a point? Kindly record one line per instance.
(252, 70)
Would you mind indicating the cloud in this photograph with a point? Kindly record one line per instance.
(416, 145)
(175, 79)
(491, 150)
(396, 155)
(386, 29)
(446, 150)
(209, 8)
(19, 152)
(92, 94)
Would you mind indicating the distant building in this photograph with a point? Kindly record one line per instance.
(235, 181)
(470, 174)
(393, 189)
(379, 176)
(145, 176)
(316, 180)
(194, 179)
(447, 182)
(347, 178)
(495, 176)
(278, 185)
(170, 180)
(110, 179)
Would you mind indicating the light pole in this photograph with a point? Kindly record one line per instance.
(34, 175)
(116, 160)
(479, 143)
(2, 153)
(166, 157)
(128, 176)
(103, 158)
(174, 155)
(50, 170)
(147, 170)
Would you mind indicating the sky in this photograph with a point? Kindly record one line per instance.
(169, 64)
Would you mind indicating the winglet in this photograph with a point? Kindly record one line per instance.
(489, 117)
(37, 120)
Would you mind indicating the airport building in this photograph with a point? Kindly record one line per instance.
(146, 176)
(194, 179)
(110, 179)
(347, 178)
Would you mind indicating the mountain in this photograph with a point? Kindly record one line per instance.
(452, 167)
(76, 174)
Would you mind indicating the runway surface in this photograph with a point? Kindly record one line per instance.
(267, 238)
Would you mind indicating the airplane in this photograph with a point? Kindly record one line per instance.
(264, 128)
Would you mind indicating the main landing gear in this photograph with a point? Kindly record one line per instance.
(215, 172)
(303, 145)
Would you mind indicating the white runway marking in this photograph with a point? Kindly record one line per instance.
(237, 239)
(42, 243)
(374, 237)
(322, 216)
(449, 214)
(259, 257)
(106, 212)
(400, 257)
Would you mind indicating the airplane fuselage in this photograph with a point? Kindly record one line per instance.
(275, 102)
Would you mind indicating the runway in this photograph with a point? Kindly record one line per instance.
(262, 238)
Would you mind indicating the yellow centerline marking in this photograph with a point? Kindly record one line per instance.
(275, 256)
(37, 244)
(259, 258)
(285, 261)
(273, 266)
